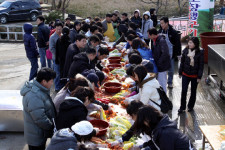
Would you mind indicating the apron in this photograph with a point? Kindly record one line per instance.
(110, 32)
(116, 34)
(169, 44)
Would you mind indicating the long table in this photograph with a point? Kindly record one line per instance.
(213, 136)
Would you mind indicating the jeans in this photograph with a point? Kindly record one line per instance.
(185, 82)
(162, 79)
(49, 63)
(56, 68)
(171, 72)
(42, 53)
(42, 147)
(34, 68)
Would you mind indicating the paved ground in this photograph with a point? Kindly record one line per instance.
(209, 108)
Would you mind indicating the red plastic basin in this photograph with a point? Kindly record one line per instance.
(102, 125)
(110, 49)
(114, 66)
(112, 87)
(114, 60)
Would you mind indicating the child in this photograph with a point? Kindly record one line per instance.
(31, 49)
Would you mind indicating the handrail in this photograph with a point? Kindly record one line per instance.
(8, 33)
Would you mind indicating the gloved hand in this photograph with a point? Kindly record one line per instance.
(135, 147)
(126, 101)
(98, 107)
(117, 142)
(109, 108)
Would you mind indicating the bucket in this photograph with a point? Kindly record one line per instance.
(208, 38)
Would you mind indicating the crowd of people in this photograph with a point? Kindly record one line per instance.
(74, 54)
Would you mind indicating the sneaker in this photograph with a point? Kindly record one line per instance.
(170, 86)
(180, 111)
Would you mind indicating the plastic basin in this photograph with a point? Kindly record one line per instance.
(110, 49)
(112, 87)
(102, 125)
(114, 66)
(209, 38)
(114, 60)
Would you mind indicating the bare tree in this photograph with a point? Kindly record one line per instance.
(158, 3)
(166, 4)
(53, 4)
(65, 5)
(62, 5)
(182, 4)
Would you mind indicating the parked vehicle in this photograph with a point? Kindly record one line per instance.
(11, 10)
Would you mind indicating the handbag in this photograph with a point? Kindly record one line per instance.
(166, 104)
(48, 54)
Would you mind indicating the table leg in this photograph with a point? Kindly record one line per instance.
(203, 143)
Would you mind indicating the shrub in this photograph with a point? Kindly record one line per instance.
(53, 15)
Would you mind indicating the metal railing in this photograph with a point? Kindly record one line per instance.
(7, 35)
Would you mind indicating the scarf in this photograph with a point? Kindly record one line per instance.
(191, 55)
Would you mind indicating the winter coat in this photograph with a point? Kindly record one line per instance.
(138, 20)
(128, 134)
(126, 22)
(97, 63)
(80, 63)
(43, 35)
(71, 111)
(146, 24)
(29, 42)
(62, 45)
(104, 26)
(73, 34)
(71, 52)
(145, 53)
(161, 55)
(150, 65)
(70, 26)
(174, 39)
(148, 92)
(154, 19)
(166, 136)
(63, 139)
(38, 112)
(185, 66)
(60, 97)
(52, 44)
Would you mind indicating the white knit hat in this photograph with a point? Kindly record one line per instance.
(82, 128)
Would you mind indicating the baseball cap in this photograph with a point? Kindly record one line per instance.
(92, 77)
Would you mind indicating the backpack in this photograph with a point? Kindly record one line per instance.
(166, 104)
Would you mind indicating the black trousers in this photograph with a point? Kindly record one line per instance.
(185, 82)
(42, 147)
